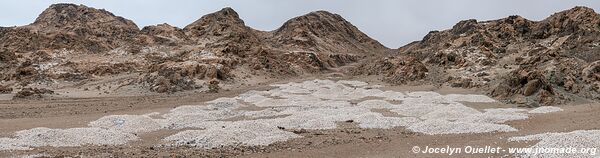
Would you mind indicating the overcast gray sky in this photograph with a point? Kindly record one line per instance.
(392, 22)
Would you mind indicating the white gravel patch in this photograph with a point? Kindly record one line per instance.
(424, 95)
(496, 116)
(587, 139)
(353, 83)
(314, 105)
(469, 98)
(376, 104)
(12, 144)
(451, 112)
(252, 98)
(127, 123)
(391, 95)
(379, 121)
(545, 109)
(241, 133)
(273, 103)
(224, 103)
(415, 110)
(434, 126)
(71, 137)
(262, 113)
(35, 155)
(324, 118)
(294, 90)
(196, 119)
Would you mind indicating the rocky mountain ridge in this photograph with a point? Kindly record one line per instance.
(516, 60)
(79, 45)
(547, 62)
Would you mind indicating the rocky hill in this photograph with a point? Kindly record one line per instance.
(321, 31)
(79, 47)
(75, 47)
(71, 27)
(514, 59)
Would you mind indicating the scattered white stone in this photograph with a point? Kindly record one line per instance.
(545, 109)
(223, 103)
(469, 98)
(373, 86)
(415, 110)
(334, 93)
(392, 95)
(376, 104)
(244, 133)
(294, 90)
(197, 118)
(12, 144)
(376, 120)
(500, 115)
(353, 83)
(273, 102)
(582, 139)
(262, 113)
(71, 137)
(252, 98)
(127, 123)
(451, 112)
(370, 92)
(424, 95)
(434, 126)
(324, 118)
(314, 105)
(36, 155)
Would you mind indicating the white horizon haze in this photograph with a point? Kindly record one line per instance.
(394, 23)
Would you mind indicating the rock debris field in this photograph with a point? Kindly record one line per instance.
(264, 117)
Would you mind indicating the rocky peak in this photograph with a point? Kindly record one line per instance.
(318, 23)
(578, 19)
(578, 12)
(73, 27)
(217, 23)
(165, 34)
(325, 29)
(71, 15)
(160, 29)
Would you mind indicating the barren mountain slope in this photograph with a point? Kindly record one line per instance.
(324, 32)
(517, 60)
(75, 46)
(71, 27)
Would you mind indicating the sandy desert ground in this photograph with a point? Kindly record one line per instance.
(378, 132)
